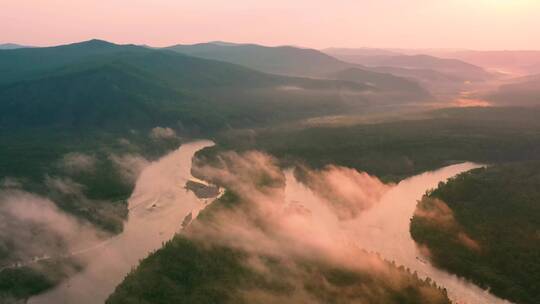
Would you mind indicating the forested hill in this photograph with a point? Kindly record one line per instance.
(287, 60)
(484, 225)
(98, 84)
(295, 61)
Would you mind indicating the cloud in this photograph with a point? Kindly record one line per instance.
(471, 102)
(10, 182)
(129, 165)
(348, 191)
(263, 187)
(78, 162)
(250, 173)
(468, 242)
(436, 211)
(272, 215)
(125, 142)
(72, 195)
(439, 216)
(162, 133)
(64, 186)
(32, 226)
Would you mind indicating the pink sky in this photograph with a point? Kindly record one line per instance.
(475, 24)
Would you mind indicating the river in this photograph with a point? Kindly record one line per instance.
(157, 207)
(384, 228)
(160, 202)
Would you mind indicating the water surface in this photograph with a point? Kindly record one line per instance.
(157, 208)
(159, 203)
(384, 228)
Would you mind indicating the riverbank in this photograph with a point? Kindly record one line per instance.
(157, 206)
(385, 229)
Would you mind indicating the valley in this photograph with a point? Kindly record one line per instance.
(305, 190)
(156, 208)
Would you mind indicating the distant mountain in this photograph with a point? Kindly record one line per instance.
(98, 84)
(523, 91)
(284, 60)
(12, 46)
(451, 67)
(288, 60)
(104, 85)
(506, 61)
(361, 52)
(444, 78)
(421, 75)
(19, 64)
(224, 43)
(533, 69)
(381, 81)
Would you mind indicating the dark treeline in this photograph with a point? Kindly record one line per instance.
(490, 233)
(400, 147)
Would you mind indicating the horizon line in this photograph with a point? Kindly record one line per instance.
(26, 45)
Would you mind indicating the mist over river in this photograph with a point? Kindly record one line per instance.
(160, 202)
(157, 207)
(384, 229)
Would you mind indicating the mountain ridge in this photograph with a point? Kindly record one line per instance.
(294, 61)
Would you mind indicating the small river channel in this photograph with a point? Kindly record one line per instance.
(157, 208)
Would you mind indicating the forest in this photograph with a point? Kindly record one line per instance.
(483, 225)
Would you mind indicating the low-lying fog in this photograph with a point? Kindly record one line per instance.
(326, 215)
(384, 229)
(345, 207)
(156, 210)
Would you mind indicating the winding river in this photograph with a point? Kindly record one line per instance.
(390, 221)
(160, 202)
(384, 228)
(157, 207)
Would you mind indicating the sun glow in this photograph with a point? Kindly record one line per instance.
(508, 4)
(479, 24)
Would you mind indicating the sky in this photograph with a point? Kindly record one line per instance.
(472, 24)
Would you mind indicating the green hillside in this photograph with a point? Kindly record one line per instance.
(25, 63)
(285, 60)
(142, 87)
